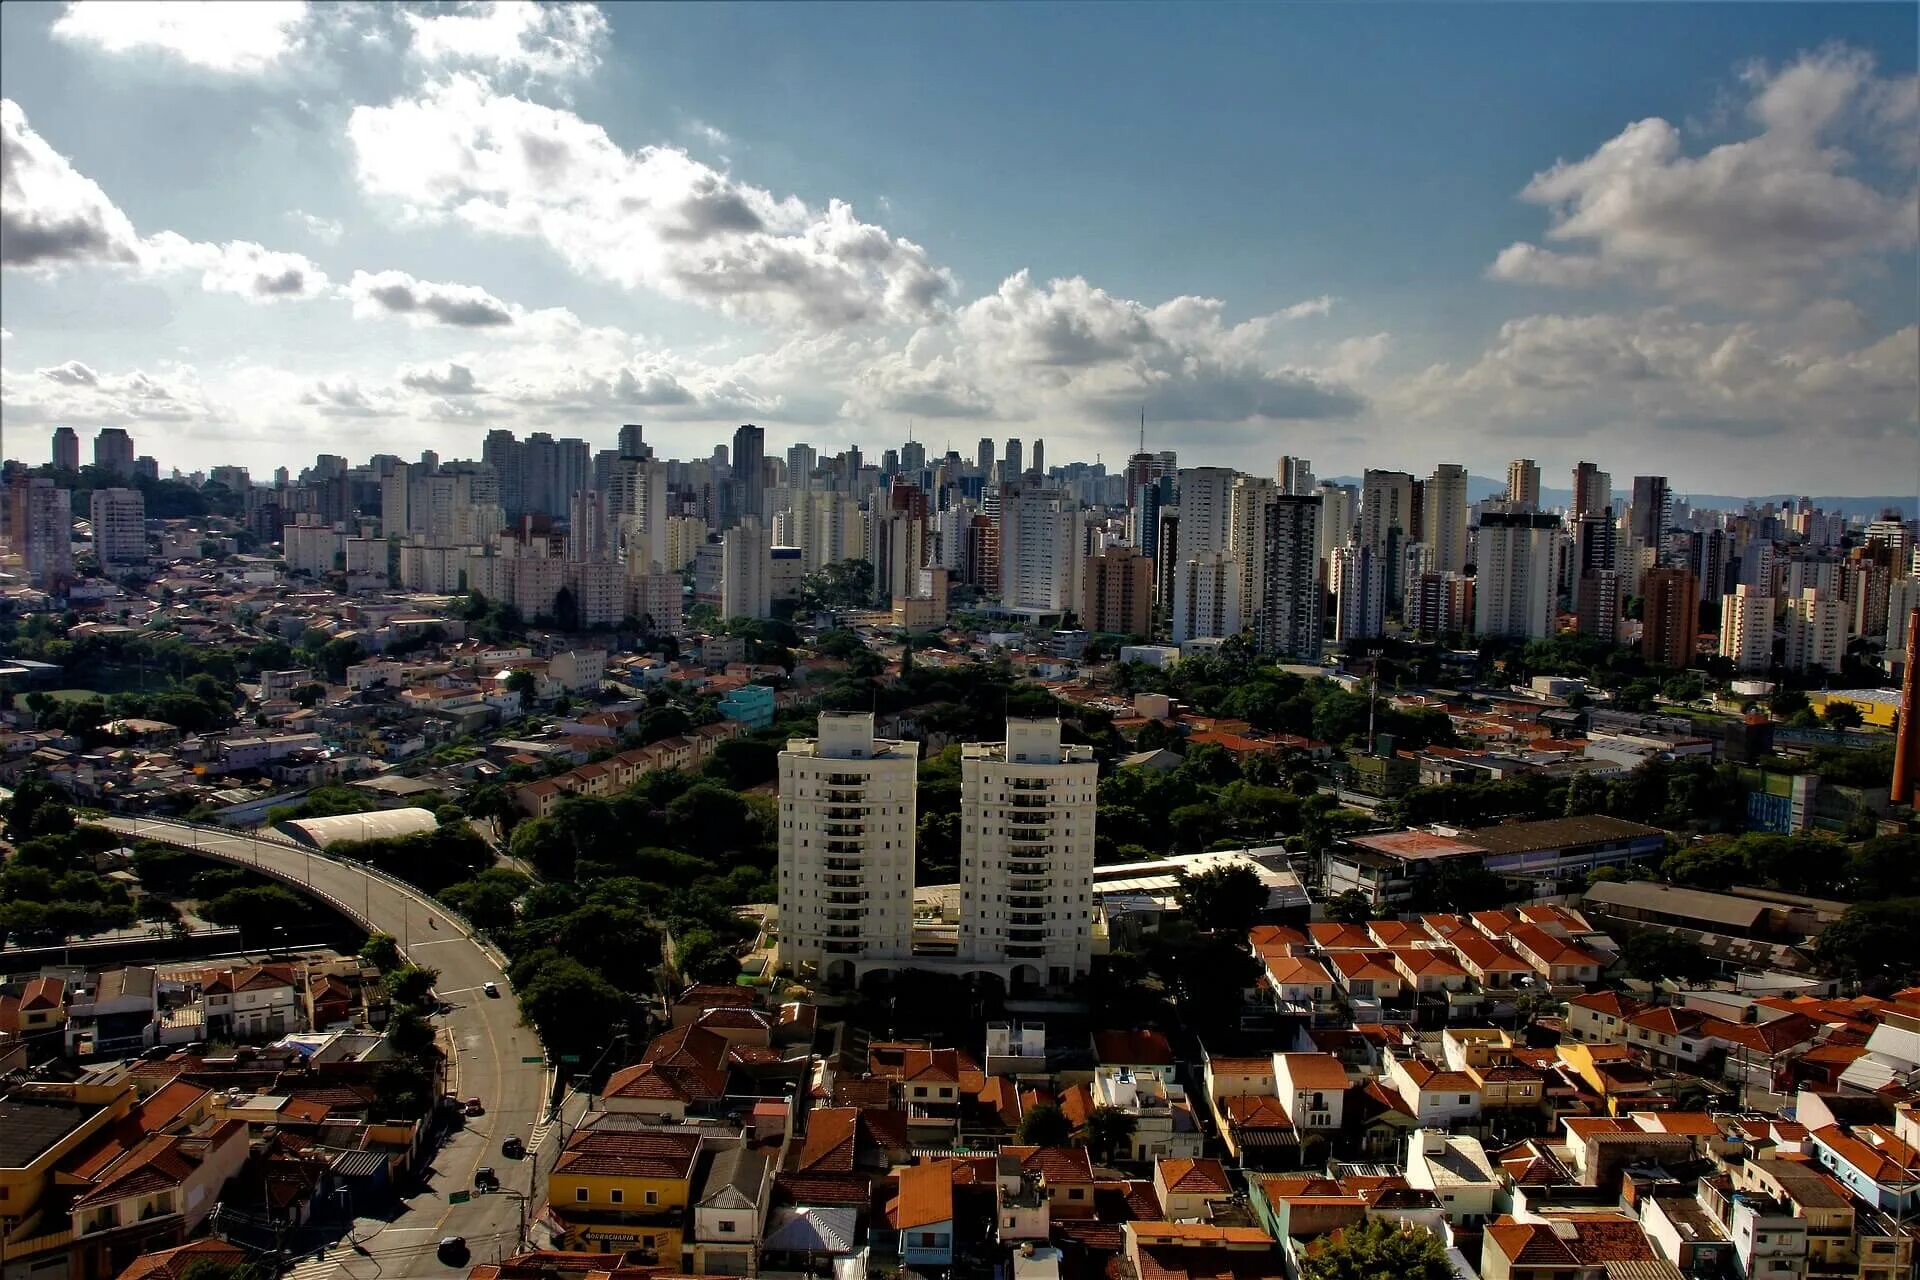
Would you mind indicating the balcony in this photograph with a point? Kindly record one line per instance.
(845, 913)
(1029, 862)
(1028, 837)
(843, 797)
(1017, 952)
(845, 813)
(1030, 802)
(1026, 917)
(1019, 885)
(845, 830)
(1027, 784)
(841, 948)
(1026, 935)
(843, 931)
(843, 881)
(846, 779)
(846, 846)
(846, 899)
(846, 864)
(1021, 903)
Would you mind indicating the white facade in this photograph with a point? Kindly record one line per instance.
(1206, 509)
(1040, 550)
(746, 556)
(119, 527)
(1443, 521)
(1746, 628)
(1026, 853)
(1516, 592)
(1206, 597)
(1386, 503)
(655, 599)
(310, 548)
(1523, 484)
(1816, 631)
(1359, 590)
(1246, 538)
(685, 536)
(847, 824)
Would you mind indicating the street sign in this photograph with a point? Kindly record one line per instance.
(570, 1059)
(533, 1059)
(459, 1197)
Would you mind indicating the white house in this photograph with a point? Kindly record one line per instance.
(1437, 1096)
(1312, 1087)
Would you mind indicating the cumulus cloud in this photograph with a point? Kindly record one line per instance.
(1756, 222)
(325, 230)
(1320, 306)
(551, 41)
(423, 302)
(655, 218)
(71, 374)
(74, 390)
(239, 267)
(454, 380)
(343, 398)
(249, 38)
(50, 214)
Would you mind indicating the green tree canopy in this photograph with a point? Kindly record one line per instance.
(1377, 1249)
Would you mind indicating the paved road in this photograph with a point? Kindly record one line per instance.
(492, 1060)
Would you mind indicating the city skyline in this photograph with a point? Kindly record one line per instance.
(366, 231)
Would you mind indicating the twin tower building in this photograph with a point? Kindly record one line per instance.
(848, 819)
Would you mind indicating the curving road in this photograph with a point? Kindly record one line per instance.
(496, 1059)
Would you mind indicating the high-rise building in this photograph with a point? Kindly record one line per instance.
(66, 449)
(1523, 484)
(1651, 513)
(1444, 517)
(749, 485)
(1144, 518)
(1246, 539)
(395, 492)
(1906, 745)
(40, 527)
(1359, 608)
(631, 442)
(1816, 631)
(1041, 550)
(746, 566)
(1746, 628)
(983, 456)
(896, 547)
(1515, 592)
(1015, 466)
(1295, 476)
(1714, 567)
(119, 528)
(1595, 549)
(1206, 509)
(1142, 469)
(1387, 519)
(1026, 854)
(1290, 617)
(113, 452)
(1670, 613)
(1206, 597)
(1592, 491)
(1439, 603)
(1116, 592)
(847, 824)
(1602, 595)
(1339, 516)
(1039, 466)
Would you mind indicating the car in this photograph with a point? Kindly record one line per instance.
(513, 1148)
(452, 1250)
(485, 1178)
(492, 991)
(473, 1107)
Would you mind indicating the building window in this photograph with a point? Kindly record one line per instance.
(619, 1196)
(580, 1195)
(726, 1226)
(653, 1197)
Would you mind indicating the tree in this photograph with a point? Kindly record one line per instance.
(257, 911)
(1351, 907)
(1110, 1133)
(1873, 941)
(571, 1006)
(1653, 954)
(382, 951)
(1784, 703)
(1374, 1249)
(1841, 715)
(307, 694)
(337, 655)
(523, 682)
(1222, 899)
(1045, 1126)
(704, 958)
(410, 983)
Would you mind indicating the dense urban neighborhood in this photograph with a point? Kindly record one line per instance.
(827, 866)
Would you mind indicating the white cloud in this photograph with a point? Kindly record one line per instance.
(1758, 222)
(71, 374)
(454, 380)
(50, 214)
(655, 218)
(343, 398)
(1320, 306)
(233, 37)
(239, 267)
(710, 134)
(425, 303)
(75, 391)
(551, 41)
(325, 230)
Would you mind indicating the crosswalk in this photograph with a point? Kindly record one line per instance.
(538, 1137)
(320, 1268)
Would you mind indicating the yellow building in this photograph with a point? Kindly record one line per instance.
(1877, 707)
(40, 1125)
(617, 1188)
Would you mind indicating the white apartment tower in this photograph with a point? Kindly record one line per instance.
(1515, 594)
(1746, 628)
(847, 823)
(1206, 597)
(1246, 538)
(1386, 504)
(1040, 550)
(1026, 854)
(1206, 509)
(1816, 631)
(1359, 590)
(119, 527)
(746, 566)
(1444, 517)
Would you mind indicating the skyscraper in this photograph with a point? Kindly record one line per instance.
(1670, 614)
(1746, 628)
(983, 458)
(1523, 484)
(847, 823)
(750, 492)
(1515, 592)
(1246, 539)
(1206, 597)
(1816, 631)
(1359, 609)
(1206, 509)
(1295, 475)
(66, 449)
(1289, 621)
(113, 452)
(1651, 511)
(1026, 853)
(40, 527)
(1039, 467)
(746, 566)
(1014, 467)
(1116, 592)
(1040, 550)
(630, 443)
(1444, 522)
(119, 519)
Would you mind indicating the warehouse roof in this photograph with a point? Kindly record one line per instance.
(1557, 833)
(383, 824)
(1688, 904)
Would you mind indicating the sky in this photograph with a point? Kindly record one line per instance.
(1672, 239)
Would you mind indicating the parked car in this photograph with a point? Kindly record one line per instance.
(513, 1148)
(453, 1250)
(474, 1108)
(492, 991)
(485, 1178)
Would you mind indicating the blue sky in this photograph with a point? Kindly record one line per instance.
(1672, 238)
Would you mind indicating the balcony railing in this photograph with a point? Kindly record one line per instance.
(846, 846)
(845, 813)
(846, 899)
(843, 931)
(846, 779)
(1029, 884)
(1026, 917)
(1020, 836)
(841, 948)
(845, 913)
(1029, 801)
(1026, 935)
(843, 881)
(843, 830)
(1019, 952)
(1027, 784)
(846, 864)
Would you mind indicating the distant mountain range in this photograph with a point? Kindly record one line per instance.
(1479, 487)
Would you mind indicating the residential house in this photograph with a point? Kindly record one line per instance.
(1436, 1095)
(1164, 1124)
(1601, 1016)
(1189, 1188)
(1458, 1171)
(1872, 1163)
(117, 1014)
(921, 1212)
(732, 1194)
(251, 1002)
(1559, 962)
(617, 1187)
(154, 1196)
